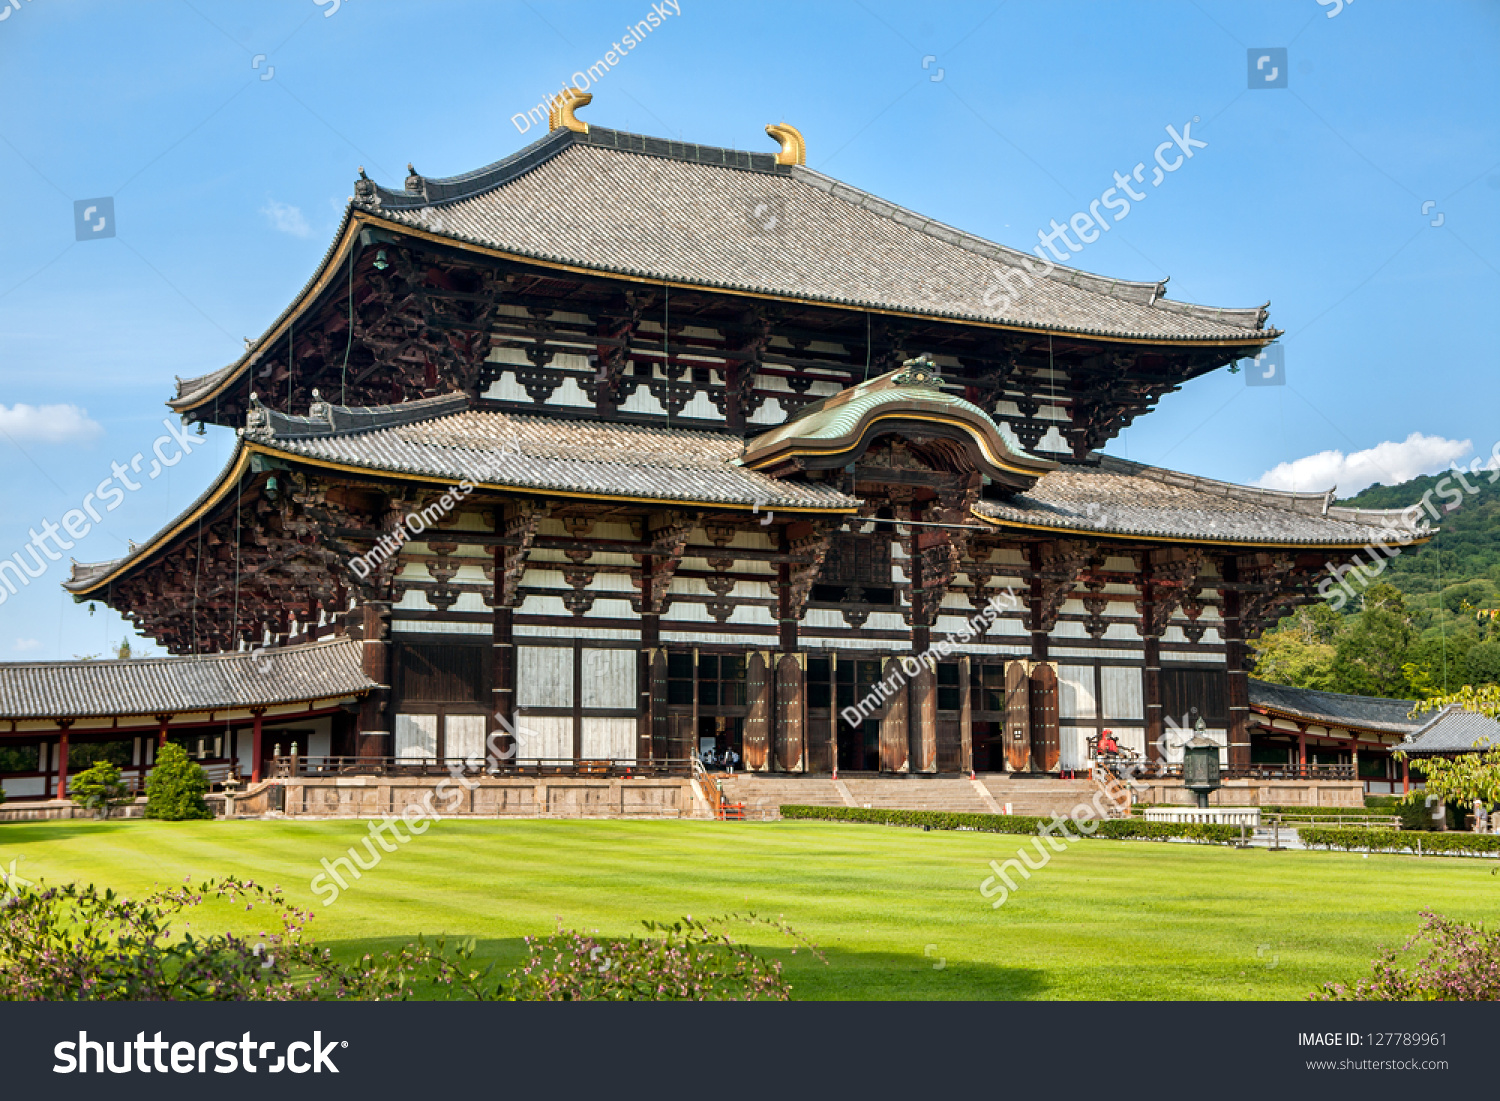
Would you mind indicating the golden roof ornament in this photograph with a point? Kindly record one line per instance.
(564, 104)
(920, 372)
(793, 147)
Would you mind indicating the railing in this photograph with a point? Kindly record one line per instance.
(1161, 770)
(288, 767)
(1368, 821)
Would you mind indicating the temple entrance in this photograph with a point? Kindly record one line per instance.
(718, 735)
(858, 744)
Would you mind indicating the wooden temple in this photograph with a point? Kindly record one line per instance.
(589, 443)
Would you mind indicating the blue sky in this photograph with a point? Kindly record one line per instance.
(228, 134)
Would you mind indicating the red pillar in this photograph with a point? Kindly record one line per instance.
(1302, 746)
(255, 750)
(1405, 778)
(161, 735)
(62, 762)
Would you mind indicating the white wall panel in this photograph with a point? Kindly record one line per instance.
(546, 737)
(1075, 684)
(416, 737)
(608, 739)
(544, 677)
(463, 736)
(609, 680)
(1122, 693)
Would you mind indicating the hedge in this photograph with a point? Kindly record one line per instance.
(1351, 838)
(1114, 828)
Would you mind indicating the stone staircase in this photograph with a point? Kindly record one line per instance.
(1042, 796)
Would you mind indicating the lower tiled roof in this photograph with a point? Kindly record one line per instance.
(1335, 708)
(154, 686)
(1122, 498)
(1453, 730)
(574, 456)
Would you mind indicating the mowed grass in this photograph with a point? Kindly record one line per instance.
(897, 912)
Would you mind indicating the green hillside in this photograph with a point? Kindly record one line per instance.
(1426, 625)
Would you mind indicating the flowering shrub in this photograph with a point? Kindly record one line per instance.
(76, 943)
(1463, 965)
(687, 960)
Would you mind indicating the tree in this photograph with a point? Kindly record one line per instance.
(1462, 778)
(176, 786)
(99, 789)
(1299, 651)
(1371, 653)
(1482, 663)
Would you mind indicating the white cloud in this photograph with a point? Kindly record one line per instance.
(28, 644)
(286, 218)
(48, 423)
(1388, 463)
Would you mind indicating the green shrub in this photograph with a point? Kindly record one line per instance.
(1351, 838)
(99, 789)
(1113, 828)
(176, 786)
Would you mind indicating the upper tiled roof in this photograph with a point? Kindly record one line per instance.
(155, 686)
(624, 204)
(1118, 497)
(1335, 709)
(1452, 730)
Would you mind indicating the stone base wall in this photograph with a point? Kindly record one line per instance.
(1257, 793)
(543, 797)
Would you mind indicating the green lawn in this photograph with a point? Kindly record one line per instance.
(1104, 919)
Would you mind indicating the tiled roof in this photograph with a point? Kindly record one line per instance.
(1117, 497)
(1335, 709)
(153, 686)
(1453, 730)
(574, 456)
(623, 204)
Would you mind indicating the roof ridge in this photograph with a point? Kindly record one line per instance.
(232, 655)
(325, 419)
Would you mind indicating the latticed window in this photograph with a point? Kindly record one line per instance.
(721, 680)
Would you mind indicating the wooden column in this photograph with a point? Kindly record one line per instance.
(1405, 777)
(1151, 667)
(62, 758)
(1034, 606)
(651, 733)
(256, 745)
(161, 734)
(1237, 689)
(1302, 746)
(502, 679)
(790, 734)
(374, 714)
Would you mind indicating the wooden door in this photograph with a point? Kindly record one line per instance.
(894, 749)
(1045, 741)
(791, 714)
(1017, 717)
(965, 718)
(758, 715)
(654, 714)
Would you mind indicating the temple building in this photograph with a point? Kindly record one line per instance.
(648, 448)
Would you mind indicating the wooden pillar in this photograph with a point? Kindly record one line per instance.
(1151, 670)
(62, 758)
(257, 745)
(1302, 746)
(502, 679)
(789, 736)
(1034, 609)
(374, 714)
(1237, 689)
(577, 700)
(1405, 776)
(161, 734)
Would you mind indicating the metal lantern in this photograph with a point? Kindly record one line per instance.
(1200, 764)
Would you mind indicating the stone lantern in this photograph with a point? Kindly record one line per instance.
(1200, 764)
